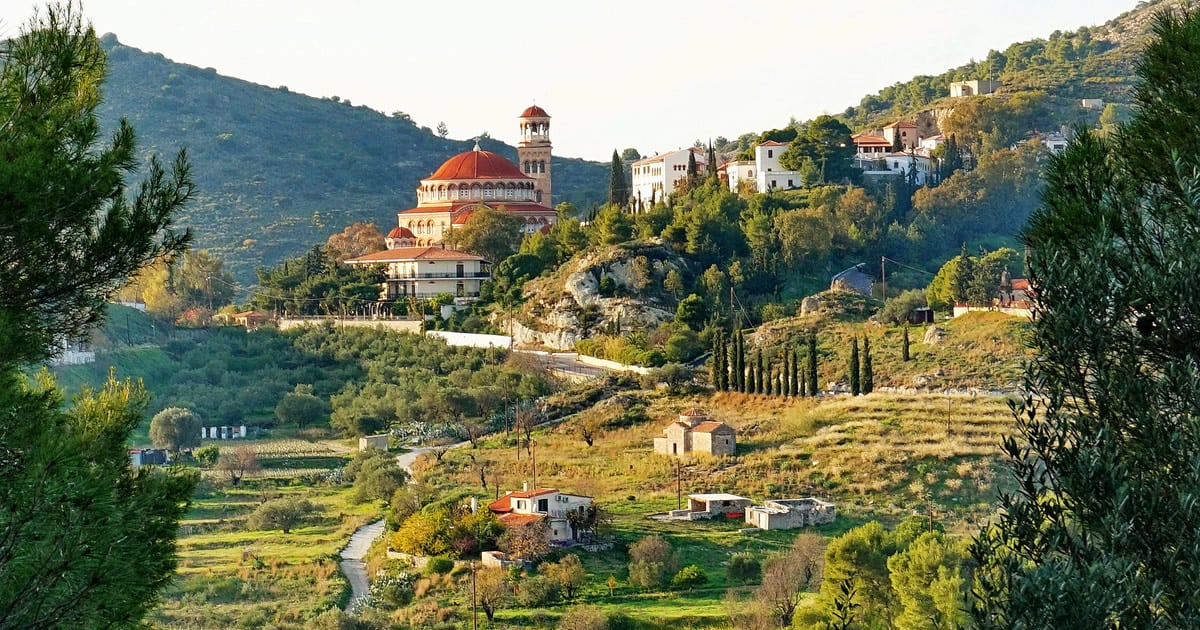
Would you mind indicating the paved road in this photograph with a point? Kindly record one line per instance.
(353, 566)
(567, 364)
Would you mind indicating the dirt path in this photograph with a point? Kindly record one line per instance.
(353, 566)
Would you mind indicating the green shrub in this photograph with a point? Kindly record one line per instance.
(439, 565)
(537, 590)
(689, 577)
(743, 567)
(897, 310)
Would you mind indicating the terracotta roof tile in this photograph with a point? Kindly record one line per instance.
(478, 164)
(694, 412)
(534, 111)
(413, 253)
(710, 426)
(772, 143)
(519, 520)
(399, 232)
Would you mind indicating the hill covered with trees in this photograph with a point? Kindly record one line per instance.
(277, 171)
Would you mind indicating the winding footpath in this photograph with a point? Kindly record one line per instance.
(352, 564)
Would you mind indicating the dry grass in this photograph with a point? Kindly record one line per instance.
(877, 456)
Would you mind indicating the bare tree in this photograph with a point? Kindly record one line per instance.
(237, 462)
(589, 430)
(491, 590)
(788, 576)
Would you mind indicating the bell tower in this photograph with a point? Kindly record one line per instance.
(533, 151)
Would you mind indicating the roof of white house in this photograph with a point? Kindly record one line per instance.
(718, 496)
(660, 157)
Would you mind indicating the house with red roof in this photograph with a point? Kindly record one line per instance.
(527, 507)
(426, 271)
(695, 433)
(771, 174)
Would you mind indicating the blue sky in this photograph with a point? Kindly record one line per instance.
(654, 75)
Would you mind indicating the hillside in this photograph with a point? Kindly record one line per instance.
(279, 171)
(1090, 62)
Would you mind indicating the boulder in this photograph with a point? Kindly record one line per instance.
(934, 334)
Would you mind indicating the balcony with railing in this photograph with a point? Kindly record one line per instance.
(466, 275)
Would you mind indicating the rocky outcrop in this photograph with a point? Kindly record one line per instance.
(569, 305)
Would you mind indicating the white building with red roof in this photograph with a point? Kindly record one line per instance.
(771, 174)
(477, 179)
(526, 507)
(426, 271)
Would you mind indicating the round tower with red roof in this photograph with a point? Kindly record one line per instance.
(533, 151)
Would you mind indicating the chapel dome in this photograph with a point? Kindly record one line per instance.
(478, 164)
(533, 111)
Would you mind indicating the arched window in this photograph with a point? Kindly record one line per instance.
(526, 166)
(462, 192)
(539, 196)
(542, 166)
(475, 191)
(510, 191)
(487, 191)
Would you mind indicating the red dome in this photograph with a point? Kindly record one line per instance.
(399, 232)
(533, 111)
(478, 165)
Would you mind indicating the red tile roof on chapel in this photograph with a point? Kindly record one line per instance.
(399, 232)
(534, 111)
(478, 164)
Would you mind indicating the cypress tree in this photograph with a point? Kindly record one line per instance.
(692, 169)
(868, 373)
(738, 363)
(714, 363)
(855, 385)
(618, 191)
(724, 349)
(758, 379)
(787, 374)
(797, 381)
(813, 387)
(904, 345)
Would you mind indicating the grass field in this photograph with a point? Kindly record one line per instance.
(231, 576)
(883, 457)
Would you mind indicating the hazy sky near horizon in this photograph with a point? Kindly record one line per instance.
(653, 75)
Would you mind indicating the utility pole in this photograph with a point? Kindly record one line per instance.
(678, 485)
(883, 274)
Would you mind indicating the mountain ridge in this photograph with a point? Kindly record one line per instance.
(278, 171)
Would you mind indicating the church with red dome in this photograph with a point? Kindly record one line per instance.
(481, 179)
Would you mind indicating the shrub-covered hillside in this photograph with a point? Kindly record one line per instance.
(278, 171)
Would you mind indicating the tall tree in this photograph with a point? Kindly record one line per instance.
(813, 387)
(904, 352)
(868, 370)
(70, 236)
(175, 428)
(855, 383)
(494, 234)
(66, 248)
(618, 190)
(692, 169)
(1100, 531)
(758, 372)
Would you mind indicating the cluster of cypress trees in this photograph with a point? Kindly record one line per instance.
(862, 372)
(783, 375)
